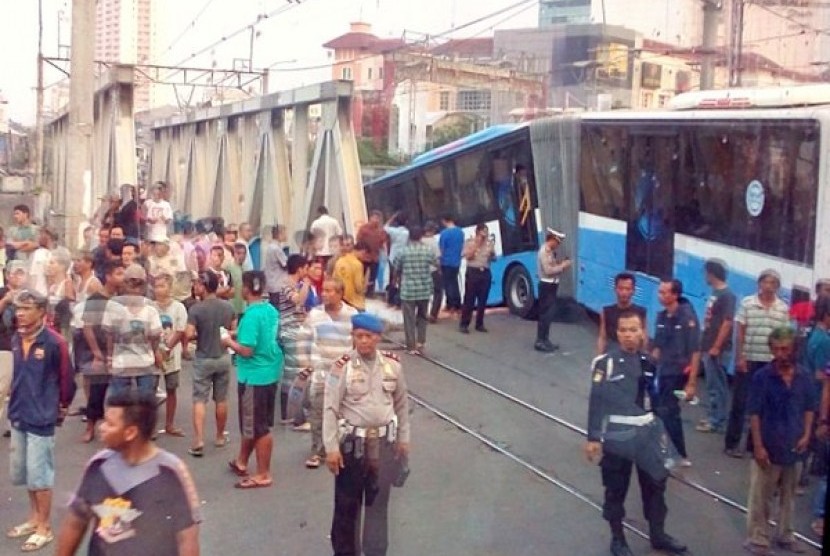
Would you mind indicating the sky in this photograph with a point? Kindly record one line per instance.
(292, 38)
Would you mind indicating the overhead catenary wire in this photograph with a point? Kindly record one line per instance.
(190, 26)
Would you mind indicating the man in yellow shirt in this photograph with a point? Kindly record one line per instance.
(349, 268)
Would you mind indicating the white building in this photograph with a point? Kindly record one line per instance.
(126, 33)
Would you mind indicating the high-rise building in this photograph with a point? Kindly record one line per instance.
(125, 34)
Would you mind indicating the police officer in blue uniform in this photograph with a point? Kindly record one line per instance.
(623, 431)
(676, 348)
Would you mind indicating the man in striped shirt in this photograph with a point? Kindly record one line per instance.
(330, 327)
(413, 265)
(757, 316)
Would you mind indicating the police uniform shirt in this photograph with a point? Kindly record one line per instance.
(546, 265)
(677, 337)
(483, 255)
(619, 386)
(366, 393)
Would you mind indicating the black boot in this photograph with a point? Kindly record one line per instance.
(662, 541)
(619, 547)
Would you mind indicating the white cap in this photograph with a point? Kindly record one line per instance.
(550, 232)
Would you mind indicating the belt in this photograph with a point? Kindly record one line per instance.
(367, 432)
(636, 420)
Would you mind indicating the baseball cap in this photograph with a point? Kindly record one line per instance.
(135, 272)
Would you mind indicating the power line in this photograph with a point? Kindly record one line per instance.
(188, 27)
(405, 46)
(791, 19)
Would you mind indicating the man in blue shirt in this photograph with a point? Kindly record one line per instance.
(451, 243)
(781, 407)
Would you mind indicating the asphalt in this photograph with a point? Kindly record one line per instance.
(462, 498)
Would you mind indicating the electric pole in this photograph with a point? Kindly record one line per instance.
(711, 14)
(38, 158)
(736, 42)
(81, 99)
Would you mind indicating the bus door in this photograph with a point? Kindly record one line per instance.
(653, 169)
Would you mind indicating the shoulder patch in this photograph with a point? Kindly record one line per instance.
(391, 355)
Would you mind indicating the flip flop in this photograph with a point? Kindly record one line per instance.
(236, 470)
(248, 483)
(173, 432)
(197, 452)
(226, 439)
(37, 541)
(313, 462)
(21, 530)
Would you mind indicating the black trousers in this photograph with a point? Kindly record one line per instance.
(449, 276)
(362, 487)
(616, 478)
(667, 407)
(737, 411)
(437, 294)
(373, 277)
(547, 307)
(476, 290)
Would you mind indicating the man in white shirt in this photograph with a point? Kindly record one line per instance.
(157, 212)
(323, 228)
(246, 234)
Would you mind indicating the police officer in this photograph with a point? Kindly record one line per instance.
(676, 348)
(366, 436)
(620, 402)
(549, 270)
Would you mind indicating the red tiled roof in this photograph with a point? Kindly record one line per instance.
(364, 41)
(481, 47)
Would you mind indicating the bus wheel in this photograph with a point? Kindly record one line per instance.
(518, 292)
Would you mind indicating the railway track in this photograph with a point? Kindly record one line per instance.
(503, 449)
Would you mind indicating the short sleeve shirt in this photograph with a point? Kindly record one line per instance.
(136, 510)
(258, 330)
(759, 322)
(207, 317)
(720, 307)
(132, 320)
(677, 336)
(173, 319)
(781, 411)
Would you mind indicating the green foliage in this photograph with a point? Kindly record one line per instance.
(449, 133)
(371, 155)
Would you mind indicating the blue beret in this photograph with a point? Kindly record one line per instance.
(368, 322)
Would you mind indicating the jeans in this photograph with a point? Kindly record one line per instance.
(415, 322)
(717, 387)
(145, 384)
(737, 413)
(819, 498)
(449, 276)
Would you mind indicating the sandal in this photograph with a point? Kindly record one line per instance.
(37, 541)
(313, 462)
(21, 530)
(197, 452)
(248, 483)
(236, 470)
(173, 431)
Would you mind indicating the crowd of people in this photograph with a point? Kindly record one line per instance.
(781, 359)
(115, 322)
(119, 317)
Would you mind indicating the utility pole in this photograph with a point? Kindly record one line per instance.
(711, 14)
(81, 99)
(736, 42)
(38, 162)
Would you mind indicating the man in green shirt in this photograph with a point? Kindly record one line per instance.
(413, 265)
(259, 363)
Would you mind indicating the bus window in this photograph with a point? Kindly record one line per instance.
(394, 197)
(754, 188)
(434, 199)
(476, 202)
(650, 237)
(603, 171)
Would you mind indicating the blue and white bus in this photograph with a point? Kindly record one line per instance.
(738, 175)
(475, 180)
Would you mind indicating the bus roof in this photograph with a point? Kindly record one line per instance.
(457, 146)
(766, 97)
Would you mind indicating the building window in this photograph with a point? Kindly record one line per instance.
(647, 100)
(370, 74)
(662, 101)
(473, 100)
(444, 101)
(346, 73)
